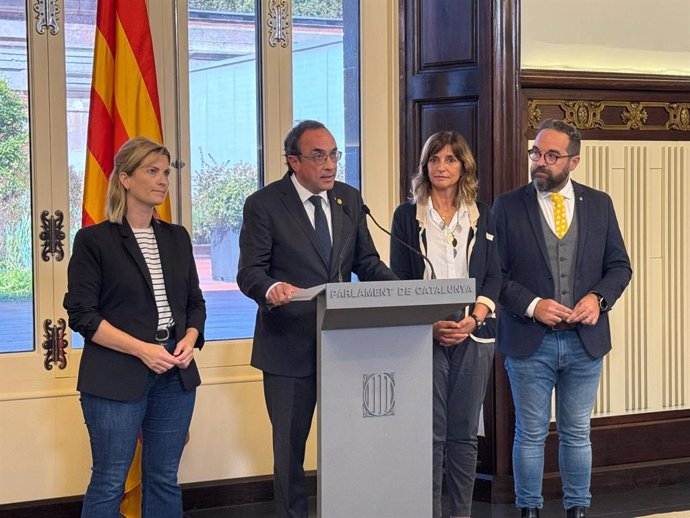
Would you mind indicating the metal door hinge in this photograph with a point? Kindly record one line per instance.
(47, 16)
(278, 21)
(52, 235)
(55, 344)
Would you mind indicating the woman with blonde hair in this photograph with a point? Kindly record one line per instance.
(445, 222)
(133, 294)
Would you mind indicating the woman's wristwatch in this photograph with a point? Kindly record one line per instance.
(479, 323)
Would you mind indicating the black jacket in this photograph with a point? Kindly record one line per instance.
(108, 279)
(278, 243)
(483, 261)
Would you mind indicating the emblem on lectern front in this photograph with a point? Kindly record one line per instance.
(378, 394)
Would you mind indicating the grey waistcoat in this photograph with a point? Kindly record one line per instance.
(562, 260)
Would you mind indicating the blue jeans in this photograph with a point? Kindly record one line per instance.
(561, 362)
(163, 415)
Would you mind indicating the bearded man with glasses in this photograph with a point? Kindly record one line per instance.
(301, 231)
(564, 265)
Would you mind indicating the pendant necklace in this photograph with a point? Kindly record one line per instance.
(450, 236)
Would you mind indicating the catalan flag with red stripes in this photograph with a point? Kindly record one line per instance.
(124, 104)
(124, 97)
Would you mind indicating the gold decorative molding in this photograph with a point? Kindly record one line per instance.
(583, 114)
(605, 115)
(678, 116)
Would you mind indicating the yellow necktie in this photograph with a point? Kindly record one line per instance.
(559, 214)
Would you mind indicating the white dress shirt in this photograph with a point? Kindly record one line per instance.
(304, 195)
(440, 250)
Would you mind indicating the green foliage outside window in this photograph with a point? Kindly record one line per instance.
(219, 191)
(76, 195)
(15, 263)
(332, 9)
(15, 229)
(14, 139)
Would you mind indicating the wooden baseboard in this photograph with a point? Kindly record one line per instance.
(610, 479)
(55, 508)
(222, 493)
(202, 495)
(493, 489)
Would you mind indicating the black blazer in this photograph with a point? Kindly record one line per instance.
(483, 264)
(278, 244)
(602, 266)
(108, 279)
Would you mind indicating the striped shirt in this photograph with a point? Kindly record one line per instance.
(149, 248)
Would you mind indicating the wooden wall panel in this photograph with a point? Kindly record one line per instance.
(446, 58)
(438, 19)
(439, 116)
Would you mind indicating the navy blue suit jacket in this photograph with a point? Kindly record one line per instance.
(278, 244)
(602, 266)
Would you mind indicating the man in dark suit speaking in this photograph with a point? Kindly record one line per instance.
(564, 265)
(303, 230)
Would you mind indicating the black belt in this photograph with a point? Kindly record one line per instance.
(563, 326)
(165, 334)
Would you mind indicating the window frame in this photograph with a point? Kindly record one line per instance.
(48, 127)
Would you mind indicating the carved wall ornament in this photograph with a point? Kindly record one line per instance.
(278, 21)
(534, 114)
(634, 116)
(678, 116)
(604, 115)
(583, 114)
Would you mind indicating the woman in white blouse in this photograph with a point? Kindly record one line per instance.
(445, 222)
